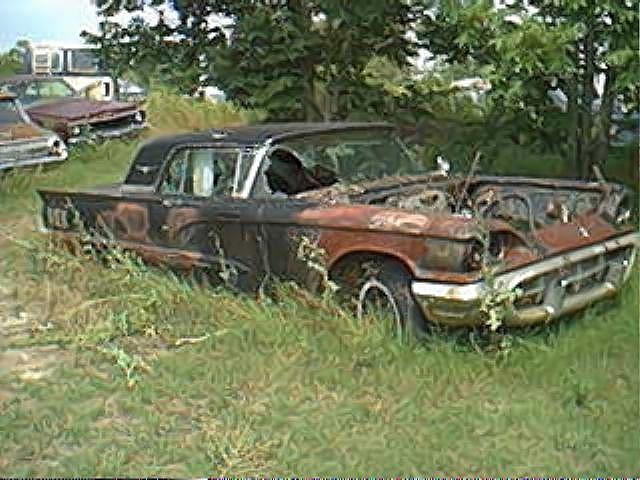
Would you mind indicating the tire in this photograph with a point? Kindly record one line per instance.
(389, 286)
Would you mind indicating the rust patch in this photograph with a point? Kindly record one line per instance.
(584, 230)
(128, 221)
(408, 249)
(394, 220)
(374, 218)
(82, 109)
(19, 131)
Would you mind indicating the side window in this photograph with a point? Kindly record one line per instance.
(287, 174)
(201, 172)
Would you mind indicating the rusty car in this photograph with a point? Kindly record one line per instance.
(347, 204)
(52, 103)
(21, 142)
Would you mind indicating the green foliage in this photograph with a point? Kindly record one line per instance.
(526, 52)
(349, 60)
(157, 52)
(11, 62)
(170, 112)
(295, 60)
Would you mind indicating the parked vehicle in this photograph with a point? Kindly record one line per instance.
(21, 142)
(53, 103)
(298, 201)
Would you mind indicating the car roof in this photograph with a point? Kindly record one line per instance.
(257, 134)
(153, 152)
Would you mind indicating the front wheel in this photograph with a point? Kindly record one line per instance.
(385, 295)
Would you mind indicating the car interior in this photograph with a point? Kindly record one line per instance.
(199, 172)
(287, 175)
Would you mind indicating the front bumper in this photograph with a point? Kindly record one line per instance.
(6, 163)
(97, 134)
(549, 288)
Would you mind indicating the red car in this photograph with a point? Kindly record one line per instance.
(52, 103)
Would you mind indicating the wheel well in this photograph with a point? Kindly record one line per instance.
(352, 267)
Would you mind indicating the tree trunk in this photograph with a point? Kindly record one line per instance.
(601, 150)
(588, 95)
(575, 149)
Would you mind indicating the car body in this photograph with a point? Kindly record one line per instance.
(52, 103)
(346, 202)
(21, 142)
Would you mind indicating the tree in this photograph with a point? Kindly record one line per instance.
(12, 62)
(174, 55)
(528, 48)
(300, 59)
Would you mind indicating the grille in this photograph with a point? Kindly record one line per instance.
(118, 123)
(572, 279)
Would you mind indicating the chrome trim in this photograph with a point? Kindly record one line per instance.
(258, 157)
(98, 134)
(40, 226)
(458, 304)
(11, 162)
(473, 291)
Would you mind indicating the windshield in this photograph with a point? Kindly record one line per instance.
(10, 112)
(41, 91)
(356, 156)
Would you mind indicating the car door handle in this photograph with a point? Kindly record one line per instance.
(174, 202)
(228, 216)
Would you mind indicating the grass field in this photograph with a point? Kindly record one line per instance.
(127, 370)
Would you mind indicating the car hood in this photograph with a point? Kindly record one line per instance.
(77, 109)
(21, 131)
(353, 192)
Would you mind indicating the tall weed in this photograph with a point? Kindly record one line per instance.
(169, 112)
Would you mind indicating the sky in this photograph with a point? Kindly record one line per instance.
(45, 20)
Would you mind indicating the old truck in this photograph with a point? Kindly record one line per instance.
(347, 204)
(52, 103)
(21, 142)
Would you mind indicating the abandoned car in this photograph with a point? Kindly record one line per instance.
(21, 142)
(54, 104)
(346, 204)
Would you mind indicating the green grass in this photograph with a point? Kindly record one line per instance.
(161, 378)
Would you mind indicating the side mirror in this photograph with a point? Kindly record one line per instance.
(444, 167)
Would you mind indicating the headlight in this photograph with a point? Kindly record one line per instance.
(139, 116)
(624, 210)
(75, 131)
(57, 147)
(474, 256)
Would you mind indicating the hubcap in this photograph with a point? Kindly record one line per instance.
(376, 300)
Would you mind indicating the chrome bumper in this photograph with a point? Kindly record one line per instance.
(458, 305)
(97, 134)
(25, 162)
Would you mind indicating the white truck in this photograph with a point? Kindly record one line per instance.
(78, 65)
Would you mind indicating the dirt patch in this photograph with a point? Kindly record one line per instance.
(22, 363)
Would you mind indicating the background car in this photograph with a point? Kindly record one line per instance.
(23, 143)
(53, 103)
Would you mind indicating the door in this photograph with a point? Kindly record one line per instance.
(202, 226)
